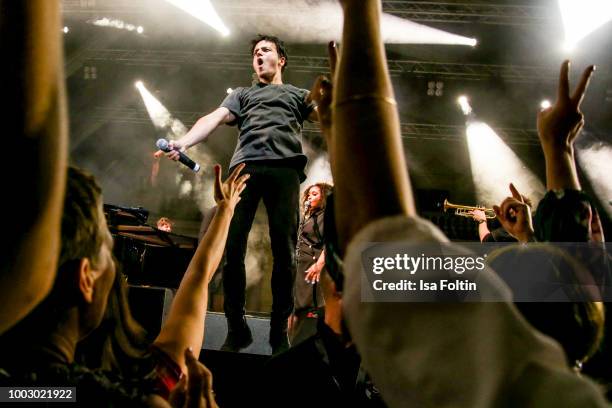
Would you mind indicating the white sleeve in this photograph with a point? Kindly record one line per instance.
(439, 355)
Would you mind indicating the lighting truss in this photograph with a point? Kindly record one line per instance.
(467, 12)
(410, 131)
(442, 70)
(445, 11)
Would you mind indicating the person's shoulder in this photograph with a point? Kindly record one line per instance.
(295, 89)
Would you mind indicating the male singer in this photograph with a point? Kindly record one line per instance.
(269, 116)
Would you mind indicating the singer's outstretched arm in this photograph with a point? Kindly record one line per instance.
(200, 131)
(35, 126)
(185, 324)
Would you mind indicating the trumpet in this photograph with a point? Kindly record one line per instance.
(464, 210)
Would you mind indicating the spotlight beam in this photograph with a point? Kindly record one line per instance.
(581, 18)
(494, 166)
(172, 128)
(204, 11)
(596, 163)
(316, 21)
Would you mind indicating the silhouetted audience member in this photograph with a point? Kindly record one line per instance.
(36, 120)
(79, 299)
(562, 311)
(324, 369)
(40, 349)
(425, 354)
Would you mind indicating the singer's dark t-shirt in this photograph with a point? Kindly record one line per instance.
(269, 118)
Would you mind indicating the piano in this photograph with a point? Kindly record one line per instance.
(148, 256)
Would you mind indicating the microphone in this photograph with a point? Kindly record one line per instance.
(306, 205)
(162, 144)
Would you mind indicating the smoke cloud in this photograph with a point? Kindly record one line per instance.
(596, 161)
(309, 21)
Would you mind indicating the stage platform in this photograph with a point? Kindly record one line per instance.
(150, 306)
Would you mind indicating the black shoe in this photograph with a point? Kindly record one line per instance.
(278, 338)
(238, 336)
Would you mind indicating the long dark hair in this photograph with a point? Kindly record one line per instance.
(326, 190)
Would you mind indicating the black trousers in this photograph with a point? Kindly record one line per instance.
(279, 187)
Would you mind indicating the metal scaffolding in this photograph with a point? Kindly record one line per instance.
(317, 65)
(421, 132)
(447, 11)
(467, 12)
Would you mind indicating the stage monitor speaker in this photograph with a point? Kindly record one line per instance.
(216, 330)
(150, 305)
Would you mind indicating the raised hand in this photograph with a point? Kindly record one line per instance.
(321, 92)
(228, 192)
(559, 124)
(514, 214)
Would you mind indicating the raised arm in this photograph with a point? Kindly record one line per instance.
(35, 125)
(558, 127)
(200, 131)
(184, 326)
(365, 118)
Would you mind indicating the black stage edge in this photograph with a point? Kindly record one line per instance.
(237, 377)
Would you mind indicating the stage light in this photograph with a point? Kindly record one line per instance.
(321, 21)
(435, 88)
(65, 30)
(170, 127)
(229, 90)
(160, 116)
(204, 11)
(464, 104)
(596, 163)
(581, 18)
(115, 23)
(545, 104)
(494, 166)
(90, 72)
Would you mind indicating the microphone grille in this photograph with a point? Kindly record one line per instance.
(162, 144)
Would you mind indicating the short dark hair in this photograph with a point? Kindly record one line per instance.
(280, 46)
(81, 233)
(81, 238)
